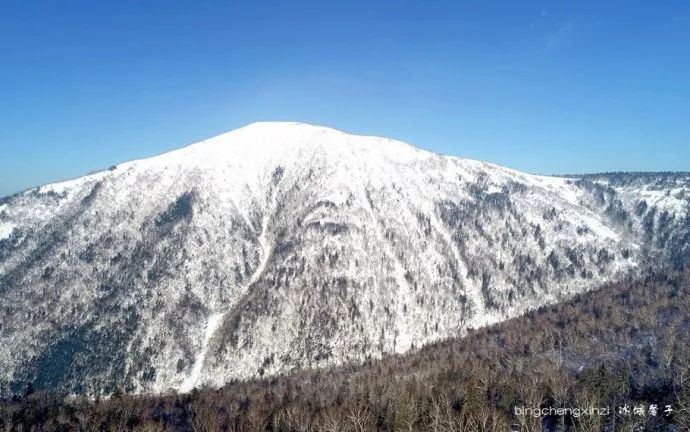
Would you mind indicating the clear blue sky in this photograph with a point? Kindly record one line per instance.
(545, 87)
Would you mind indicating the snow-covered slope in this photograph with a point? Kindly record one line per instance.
(283, 245)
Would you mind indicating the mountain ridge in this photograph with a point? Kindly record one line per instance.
(278, 246)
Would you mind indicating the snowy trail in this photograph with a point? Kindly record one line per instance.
(211, 326)
(266, 248)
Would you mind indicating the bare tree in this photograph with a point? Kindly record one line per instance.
(358, 419)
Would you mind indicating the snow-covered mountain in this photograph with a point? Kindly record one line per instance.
(283, 245)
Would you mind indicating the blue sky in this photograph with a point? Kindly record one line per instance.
(544, 87)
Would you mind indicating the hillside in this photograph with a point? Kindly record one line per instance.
(624, 344)
(283, 245)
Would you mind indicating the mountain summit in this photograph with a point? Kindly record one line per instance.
(285, 245)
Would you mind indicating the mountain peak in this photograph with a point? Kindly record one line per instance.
(292, 132)
(280, 124)
(271, 141)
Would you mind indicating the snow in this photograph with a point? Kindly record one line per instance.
(264, 244)
(667, 199)
(6, 229)
(402, 264)
(211, 327)
(72, 185)
(493, 189)
(600, 230)
(217, 318)
(560, 185)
